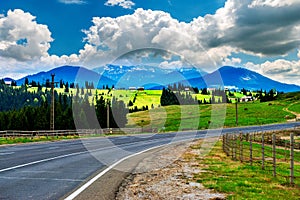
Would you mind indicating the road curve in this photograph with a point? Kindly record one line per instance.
(53, 169)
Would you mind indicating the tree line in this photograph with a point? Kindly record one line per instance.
(23, 110)
(170, 97)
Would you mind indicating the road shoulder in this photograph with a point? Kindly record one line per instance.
(167, 175)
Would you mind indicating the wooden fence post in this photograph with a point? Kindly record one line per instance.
(235, 146)
(285, 149)
(251, 149)
(263, 151)
(225, 143)
(274, 154)
(292, 159)
(241, 147)
(232, 146)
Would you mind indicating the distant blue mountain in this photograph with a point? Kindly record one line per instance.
(157, 78)
(8, 79)
(228, 76)
(149, 77)
(71, 74)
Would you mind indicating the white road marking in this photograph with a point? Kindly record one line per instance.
(40, 161)
(7, 153)
(77, 192)
(90, 182)
(43, 179)
(51, 148)
(28, 171)
(62, 156)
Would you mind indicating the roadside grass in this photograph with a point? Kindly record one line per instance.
(242, 181)
(281, 153)
(16, 140)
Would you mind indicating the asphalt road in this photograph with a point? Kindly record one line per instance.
(54, 169)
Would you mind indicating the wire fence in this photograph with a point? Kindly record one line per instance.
(274, 153)
(79, 132)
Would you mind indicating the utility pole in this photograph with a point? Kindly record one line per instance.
(108, 104)
(52, 104)
(236, 112)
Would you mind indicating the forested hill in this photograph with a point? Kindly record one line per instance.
(17, 98)
(23, 110)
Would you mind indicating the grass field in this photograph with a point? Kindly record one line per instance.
(242, 181)
(295, 107)
(175, 118)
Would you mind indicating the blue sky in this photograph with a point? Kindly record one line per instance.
(261, 35)
(66, 20)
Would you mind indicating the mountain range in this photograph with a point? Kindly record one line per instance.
(70, 74)
(156, 78)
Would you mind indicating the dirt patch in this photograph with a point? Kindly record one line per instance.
(292, 112)
(169, 174)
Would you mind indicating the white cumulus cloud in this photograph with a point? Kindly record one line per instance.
(79, 2)
(272, 3)
(126, 4)
(171, 65)
(21, 38)
(259, 30)
(280, 70)
(232, 62)
(110, 38)
(237, 27)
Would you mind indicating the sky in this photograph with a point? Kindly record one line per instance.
(259, 35)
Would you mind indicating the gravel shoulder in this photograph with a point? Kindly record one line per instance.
(167, 174)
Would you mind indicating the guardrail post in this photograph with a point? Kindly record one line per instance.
(292, 159)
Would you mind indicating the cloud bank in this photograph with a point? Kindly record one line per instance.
(260, 28)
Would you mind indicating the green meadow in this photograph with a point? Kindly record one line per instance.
(295, 107)
(211, 116)
(181, 117)
(203, 116)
